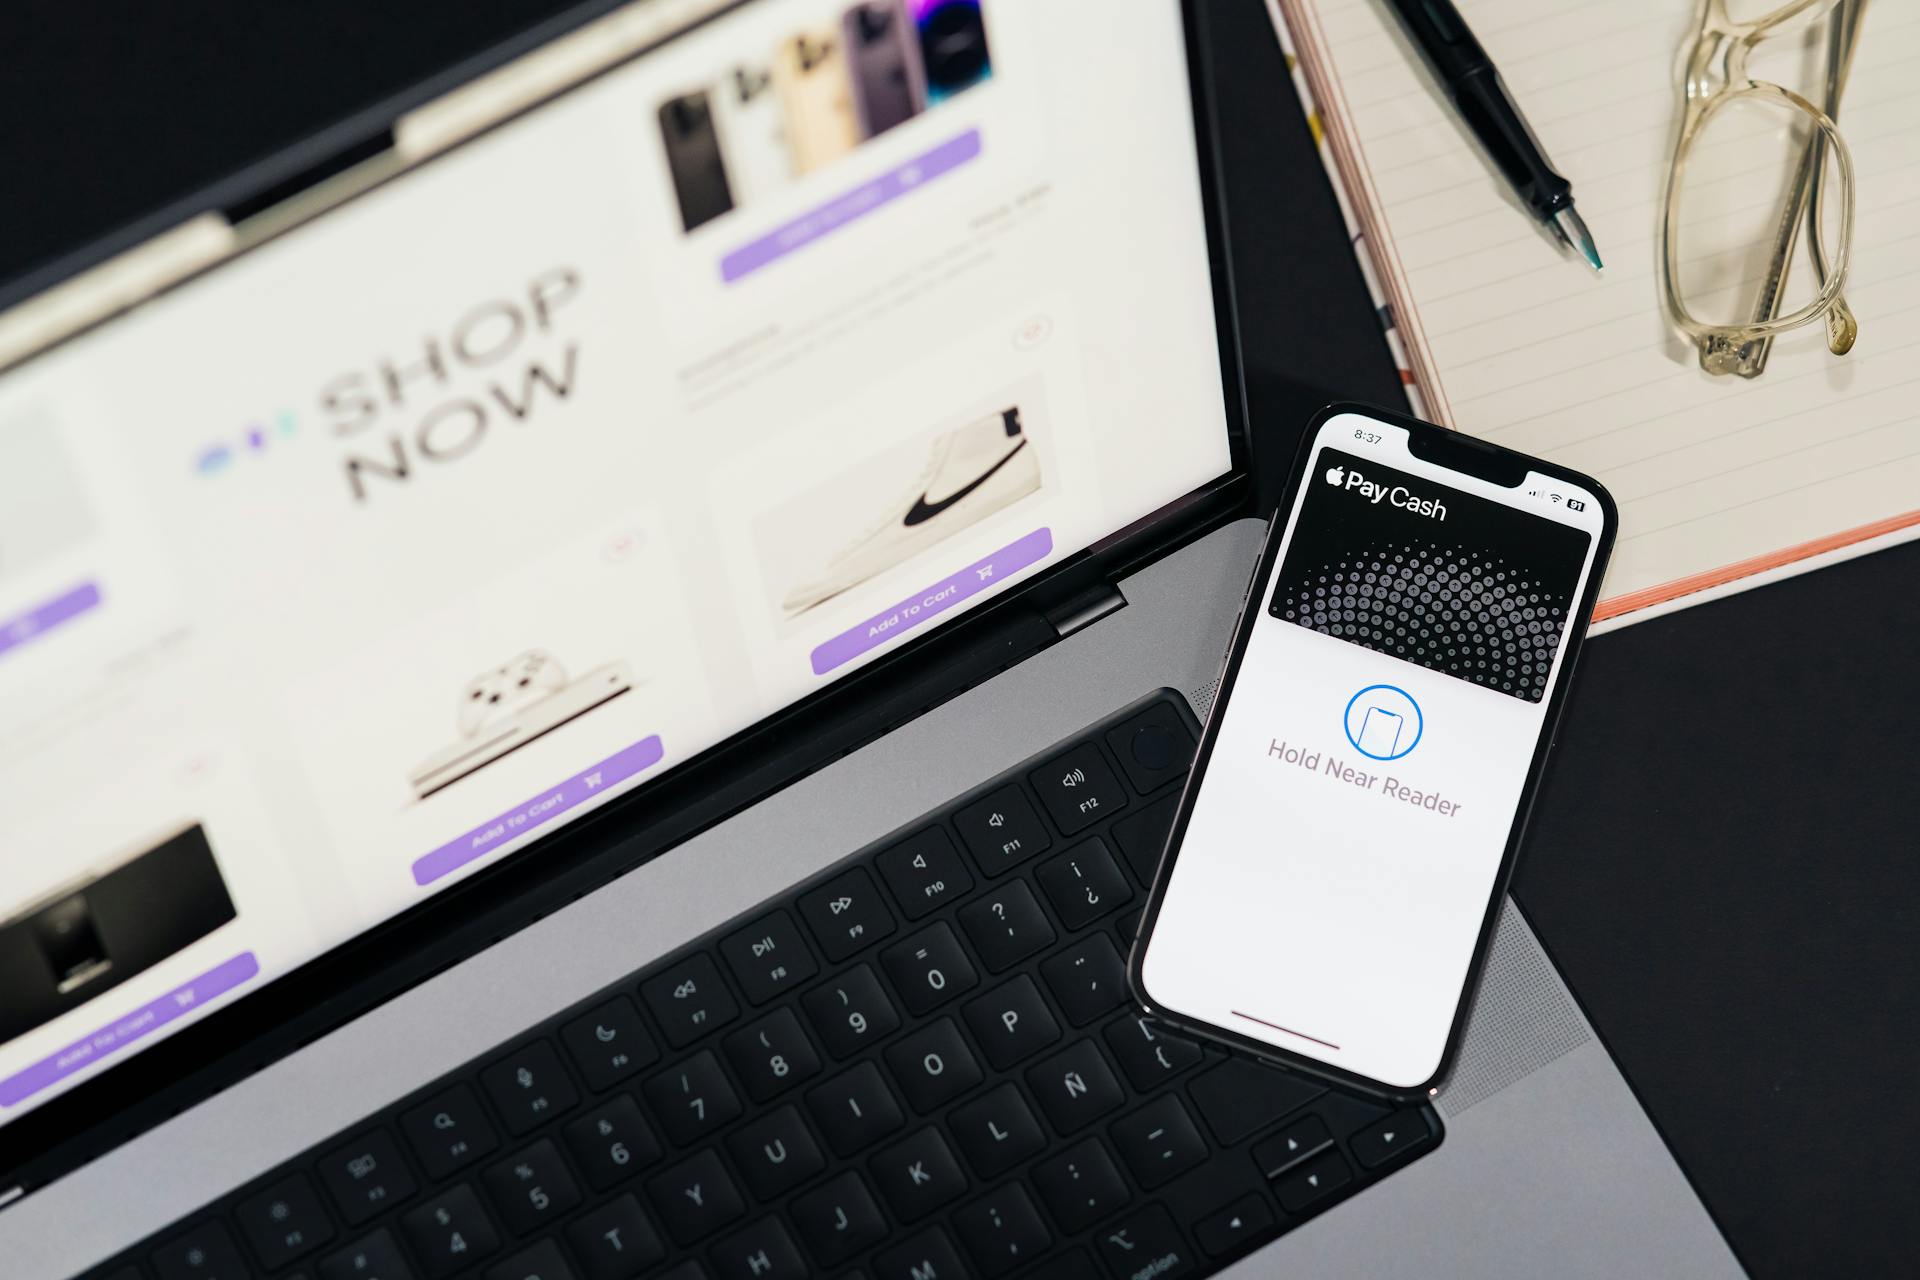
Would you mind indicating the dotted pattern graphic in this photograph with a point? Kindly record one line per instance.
(1462, 613)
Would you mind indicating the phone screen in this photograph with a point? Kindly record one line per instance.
(1349, 817)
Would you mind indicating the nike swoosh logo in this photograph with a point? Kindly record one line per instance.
(922, 511)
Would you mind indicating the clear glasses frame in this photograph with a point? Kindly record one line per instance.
(1715, 78)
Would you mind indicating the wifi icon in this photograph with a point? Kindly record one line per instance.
(1074, 779)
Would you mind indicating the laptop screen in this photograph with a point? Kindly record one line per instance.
(384, 549)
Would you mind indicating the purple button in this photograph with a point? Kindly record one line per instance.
(539, 811)
(43, 618)
(935, 600)
(855, 204)
(117, 1035)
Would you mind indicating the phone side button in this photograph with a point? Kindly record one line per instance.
(1313, 1181)
(1390, 1139)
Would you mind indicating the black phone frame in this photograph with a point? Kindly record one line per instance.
(1487, 461)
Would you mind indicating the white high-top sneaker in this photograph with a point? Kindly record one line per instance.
(971, 472)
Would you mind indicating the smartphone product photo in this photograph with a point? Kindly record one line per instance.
(693, 157)
(1340, 850)
(810, 75)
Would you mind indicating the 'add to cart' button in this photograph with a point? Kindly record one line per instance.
(935, 600)
(539, 811)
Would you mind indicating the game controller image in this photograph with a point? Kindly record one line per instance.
(502, 710)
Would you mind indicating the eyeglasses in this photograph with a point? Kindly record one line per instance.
(1743, 145)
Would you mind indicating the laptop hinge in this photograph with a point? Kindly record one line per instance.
(1085, 608)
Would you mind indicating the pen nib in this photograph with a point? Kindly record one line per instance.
(1569, 227)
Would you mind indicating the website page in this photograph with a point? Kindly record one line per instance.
(362, 561)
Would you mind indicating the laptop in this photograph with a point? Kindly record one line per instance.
(596, 665)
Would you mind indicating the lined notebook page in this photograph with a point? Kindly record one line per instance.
(1717, 478)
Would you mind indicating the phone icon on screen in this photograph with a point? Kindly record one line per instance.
(1380, 731)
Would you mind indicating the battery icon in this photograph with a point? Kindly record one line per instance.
(1574, 504)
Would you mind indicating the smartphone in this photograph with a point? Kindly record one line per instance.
(953, 46)
(810, 75)
(693, 158)
(883, 55)
(746, 112)
(1350, 824)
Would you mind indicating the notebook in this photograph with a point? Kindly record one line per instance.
(1723, 483)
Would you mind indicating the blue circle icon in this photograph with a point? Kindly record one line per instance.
(1384, 722)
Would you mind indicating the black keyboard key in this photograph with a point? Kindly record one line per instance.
(924, 872)
(206, 1252)
(1002, 1230)
(918, 1175)
(1080, 1186)
(1075, 1087)
(1145, 1244)
(1149, 1053)
(1239, 1097)
(365, 1177)
(693, 1099)
(1142, 837)
(1078, 788)
(540, 1261)
(763, 1251)
(1299, 1139)
(772, 1055)
(775, 1152)
(1007, 926)
(846, 914)
(1389, 1139)
(927, 1256)
(1084, 884)
(1088, 979)
(1159, 1141)
(1153, 748)
(689, 999)
(448, 1132)
(695, 1198)
(1313, 1181)
(612, 1142)
(608, 1043)
(850, 1012)
(929, 968)
(284, 1222)
(855, 1109)
(377, 1257)
(529, 1087)
(1071, 1266)
(1002, 829)
(616, 1241)
(688, 1270)
(996, 1131)
(769, 957)
(531, 1188)
(933, 1065)
(1241, 1225)
(1011, 1023)
(450, 1232)
(839, 1220)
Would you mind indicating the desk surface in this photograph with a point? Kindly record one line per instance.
(1722, 861)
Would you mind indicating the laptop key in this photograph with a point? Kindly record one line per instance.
(927, 1256)
(1298, 1140)
(284, 1222)
(616, 1241)
(1153, 748)
(1075, 1087)
(693, 1099)
(1006, 926)
(855, 1109)
(541, 1261)
(1078, 788)
(612, 1142)
(1148, 1052)
(933, 1065)
(695, 1198)
(1399, 1133)
(775, 1153)
(1159, 1141)
(1080, 1186)
(689, 998)
(529, 1087)
(1142, 837)
(377, 1257)
(1012, 1023)
(1084, 884)
(531, 1188)
(1002, 1230)
(850, 1012)
(769, 957)
(839, 1220)
(918, 1175)
(449, 1232)
(1002, 829)
(772, 1055)
(1146, 1243)
(929, 969)
(1239, 1097)
(449, 1132)
(996, 1131)
(1088, 979)
(608, 1043)
(205, 1253)
(1313, 1181)
(846, 914)
(365, 1177)
(1239, 1225)
(924, 872)
(764, 1251)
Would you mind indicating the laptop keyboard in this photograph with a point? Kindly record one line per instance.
(920, 1064)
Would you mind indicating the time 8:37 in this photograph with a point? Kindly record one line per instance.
(1369, 437)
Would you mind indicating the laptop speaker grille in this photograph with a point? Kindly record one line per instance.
(1522, 1020)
